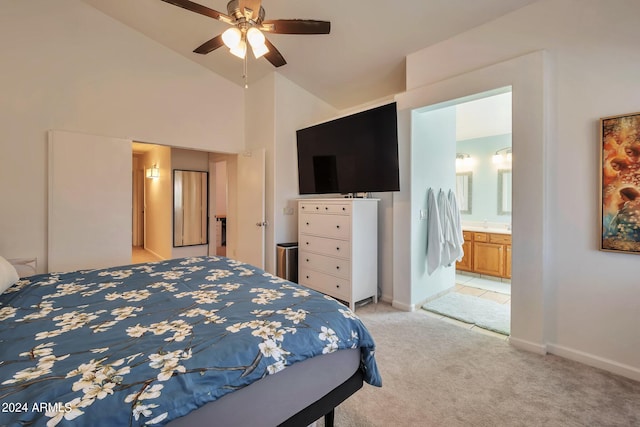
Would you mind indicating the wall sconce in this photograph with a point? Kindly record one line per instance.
(153, 172)
(502, 157)
(463, 161)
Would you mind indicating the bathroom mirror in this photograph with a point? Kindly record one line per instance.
(504, 191)
(190, 208)
(463, 191)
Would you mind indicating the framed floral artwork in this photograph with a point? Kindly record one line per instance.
(620, 183)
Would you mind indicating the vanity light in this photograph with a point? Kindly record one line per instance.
(153, 172)
(463, 160)
(503, 156)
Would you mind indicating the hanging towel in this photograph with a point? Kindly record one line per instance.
(448, 233)
(435, 239)
(457, 225)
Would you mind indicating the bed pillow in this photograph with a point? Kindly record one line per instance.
(8, 275)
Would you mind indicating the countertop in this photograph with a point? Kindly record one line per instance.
(497, 230)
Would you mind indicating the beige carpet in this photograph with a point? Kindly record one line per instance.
(438, 374)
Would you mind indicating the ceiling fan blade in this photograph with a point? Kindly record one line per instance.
(210, 45)
(274, 56)
(203, 10)
(296, 26)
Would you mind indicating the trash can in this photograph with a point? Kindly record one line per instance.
(287, 261)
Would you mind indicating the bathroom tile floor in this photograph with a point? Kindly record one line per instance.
(480, 287)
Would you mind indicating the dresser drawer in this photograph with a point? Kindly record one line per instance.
(325, 283)
(336, 226)
(322, 245)
(335, 266)
(331, 208)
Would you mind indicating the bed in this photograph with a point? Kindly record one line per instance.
(184, 342)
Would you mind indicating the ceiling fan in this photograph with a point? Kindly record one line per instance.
(246, 18)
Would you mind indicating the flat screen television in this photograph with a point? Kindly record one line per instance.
(352, 154)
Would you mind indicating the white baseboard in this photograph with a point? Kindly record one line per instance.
(595, 361)
(528, 345)
(402, 306)
(155, 254)
(386, 298)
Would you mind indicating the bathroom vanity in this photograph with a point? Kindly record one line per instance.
(486, 252)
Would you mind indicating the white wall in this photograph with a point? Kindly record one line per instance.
(295, 108)
(585, 301)
(158, 200)
(260, 133)
(276, 108)
(67, 66)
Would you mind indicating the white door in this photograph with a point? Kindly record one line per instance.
(251, 208)
(89, 201)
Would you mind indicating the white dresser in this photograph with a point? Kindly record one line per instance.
(338, 247)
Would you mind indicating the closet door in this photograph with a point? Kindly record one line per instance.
(90, 189)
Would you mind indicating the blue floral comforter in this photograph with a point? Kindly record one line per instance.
(145, 344)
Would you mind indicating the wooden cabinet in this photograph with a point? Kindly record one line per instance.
(466, 264)
(489, 253)
(338, 247)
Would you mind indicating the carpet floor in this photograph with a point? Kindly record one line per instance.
(438, 374)
(484, 313)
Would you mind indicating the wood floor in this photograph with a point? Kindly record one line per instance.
(140, 254)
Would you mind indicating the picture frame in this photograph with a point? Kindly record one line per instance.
(620, 183)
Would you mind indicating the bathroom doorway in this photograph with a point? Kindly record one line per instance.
(480, 298)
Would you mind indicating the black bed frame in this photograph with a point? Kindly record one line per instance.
(326, 405)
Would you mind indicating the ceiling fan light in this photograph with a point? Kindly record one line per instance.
(255, 37)
(240, 50)
(259, 51)
(232, 37)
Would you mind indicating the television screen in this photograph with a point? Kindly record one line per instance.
(352, 154)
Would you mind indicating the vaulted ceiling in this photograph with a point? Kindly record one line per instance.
(361, 60)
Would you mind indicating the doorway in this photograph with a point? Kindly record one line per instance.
(153, 202)
(220, 196)
(139, 251)
(480, 296)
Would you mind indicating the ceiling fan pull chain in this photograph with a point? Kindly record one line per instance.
(246, 85)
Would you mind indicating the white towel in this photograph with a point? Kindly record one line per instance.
(457, 225)
(448, 233)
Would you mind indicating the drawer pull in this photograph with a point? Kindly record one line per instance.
(307, 277)
(338, 248)
(307, 223)
(317, 208)
(307, 243)
(337, 226)
(337, 286)
(326, 208)
(307, 259)
(337, 267)
(344, 209)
